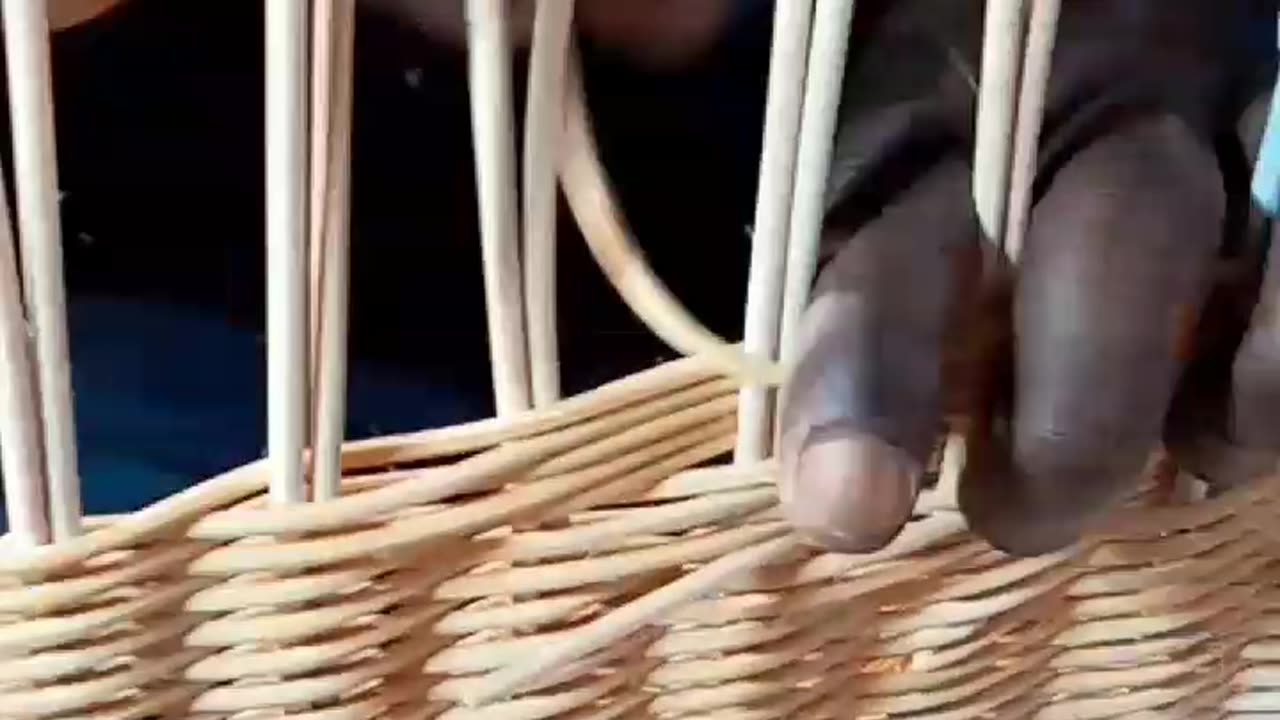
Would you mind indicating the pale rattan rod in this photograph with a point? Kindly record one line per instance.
(489, 75)
(791, 23)
(543, 120)
(24, 491)
(26, 27)
(1036, 66)
(286, 187)
(824, 79)
(997, 103)
(333, 50)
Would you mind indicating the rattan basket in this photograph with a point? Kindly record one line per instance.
(580, 559)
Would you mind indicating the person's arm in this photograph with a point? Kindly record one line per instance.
(656, 33)
(64, 14)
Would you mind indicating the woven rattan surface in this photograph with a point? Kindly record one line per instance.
(585, 543)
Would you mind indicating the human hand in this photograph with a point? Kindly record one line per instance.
(1129, 320)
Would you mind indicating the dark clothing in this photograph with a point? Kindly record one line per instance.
(914, 66)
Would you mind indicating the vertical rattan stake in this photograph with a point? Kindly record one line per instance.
(26, 28)
(489, 80)
(590, 199)
(544, 120)
(823, 83)
(24, 492)
(331, 117)
(773, 208)
(322, 30)
(997, 103)
(286, 138)
(1036, 67)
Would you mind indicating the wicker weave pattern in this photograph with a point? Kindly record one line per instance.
(433, 572)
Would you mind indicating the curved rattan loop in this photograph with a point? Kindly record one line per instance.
(592, 201)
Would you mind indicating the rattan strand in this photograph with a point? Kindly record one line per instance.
(419, 603)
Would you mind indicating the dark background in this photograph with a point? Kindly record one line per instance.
(159, 117)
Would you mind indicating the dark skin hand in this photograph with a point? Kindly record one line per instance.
(1132, 318)
(1105, 325)
(1068, 370)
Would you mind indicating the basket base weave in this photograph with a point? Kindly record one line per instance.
(461, 558)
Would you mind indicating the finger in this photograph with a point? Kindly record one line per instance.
(1256, 388)
(1225, 426)
(863, 406)
(1114, 271)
